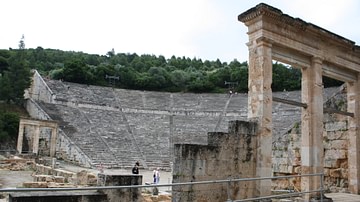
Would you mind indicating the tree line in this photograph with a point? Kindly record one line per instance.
(148, 72)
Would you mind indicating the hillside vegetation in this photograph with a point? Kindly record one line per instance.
(150, 72)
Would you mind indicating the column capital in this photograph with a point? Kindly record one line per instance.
(264, 41)
(317, 59)
(261, 41)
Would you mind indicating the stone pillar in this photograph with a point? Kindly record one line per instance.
(54, 132)
(35, 141)
(312, 150)
(353, 98)
(260, 109)
(20, 138)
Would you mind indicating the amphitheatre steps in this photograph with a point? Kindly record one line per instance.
(117, 127)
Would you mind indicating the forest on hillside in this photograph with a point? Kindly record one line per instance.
(150, 72)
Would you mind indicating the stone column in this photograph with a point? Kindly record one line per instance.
(312, 150)
(54, 132)
(20, 138)
(260, 109)
(36, 137)
(353, 98)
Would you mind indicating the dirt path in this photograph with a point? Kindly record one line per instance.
(14, 178)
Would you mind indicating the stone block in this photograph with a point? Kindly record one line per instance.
(49, 178)
(59, 179)
(336, 126)
(39, 178)
(336, 135)
(331, 163)
(282, 168)
(35, 184)
(338, 144)
(335, 154)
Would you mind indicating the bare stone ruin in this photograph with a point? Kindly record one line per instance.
(318, 52)
(227, 155)
(116, 127)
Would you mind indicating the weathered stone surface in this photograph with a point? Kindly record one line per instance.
(35, 184)
(338, 145)
(59, 179)
(125, 194)
(228, 155)
(331, 163)
(336, 154)
(336, 135)
(336, 126)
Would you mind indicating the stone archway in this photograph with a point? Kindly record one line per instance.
(37, 124)
(318, 52)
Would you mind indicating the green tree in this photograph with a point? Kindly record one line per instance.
(179, 78)
(17, 78)
(4, 65)
(75, 71)
(127, 76)
(285, 78)
(9, 124)
(159, 78)
(201, 85)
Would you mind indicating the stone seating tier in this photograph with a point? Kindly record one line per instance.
(118, 127)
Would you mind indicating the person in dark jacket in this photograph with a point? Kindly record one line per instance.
(135, 169)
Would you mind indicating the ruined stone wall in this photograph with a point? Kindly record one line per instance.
(65, 148)
(287, 150)
(124, 194)
(227, 155)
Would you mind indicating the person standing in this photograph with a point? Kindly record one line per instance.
(156, 176)
(135, 169)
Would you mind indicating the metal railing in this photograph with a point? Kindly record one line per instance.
(228, 181)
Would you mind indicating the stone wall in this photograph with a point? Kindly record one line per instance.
(39, 90)
(123, 194)
(227, 155)
(287, 150)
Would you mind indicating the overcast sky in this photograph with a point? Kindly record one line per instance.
(206, 29)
